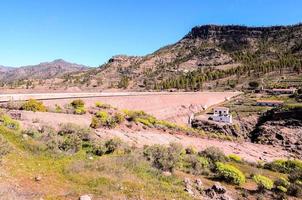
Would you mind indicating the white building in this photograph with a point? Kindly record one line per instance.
(222, 114)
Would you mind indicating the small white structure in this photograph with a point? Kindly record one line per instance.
(222, 114)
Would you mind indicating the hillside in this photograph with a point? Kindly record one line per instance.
(208, 57)
(206, 53)
(45, 70)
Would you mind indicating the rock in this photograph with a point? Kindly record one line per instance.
(167, 173)
(85, 197)
(217, 187)
(226, 197)
(188, 186)
(199, 185)
(38, 178)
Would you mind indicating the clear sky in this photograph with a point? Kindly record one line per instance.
(91, 31)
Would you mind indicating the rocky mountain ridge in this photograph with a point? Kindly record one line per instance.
(43, 70)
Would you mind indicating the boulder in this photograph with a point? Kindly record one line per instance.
(85, 197)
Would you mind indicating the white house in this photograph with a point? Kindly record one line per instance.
(222, 114)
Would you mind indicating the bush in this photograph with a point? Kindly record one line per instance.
(196, 165)
(73, 129)
(102, 105)
(254, 84)
(191, 150)
(10, 123)
(80, 111)
(263, 182)
(112, 145)
(284, 166)
(294, 190)
(4, 147)
(230, 173)
(77, 103)
(234, 157)
(33, 105)
(164, 158)
(58, 108)
(214, 154)
(132, 115)
(119, 117)
(281, 184)
(71, 144)
(295, 176)
(31, 132)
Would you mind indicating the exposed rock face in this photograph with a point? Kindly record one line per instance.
(239, 129)
(216, 192)
(282, 128)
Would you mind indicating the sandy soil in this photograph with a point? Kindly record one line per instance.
(249, 151)
(175, 107)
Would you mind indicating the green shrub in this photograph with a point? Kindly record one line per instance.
(162, 157)
(95, 122)
(214, 154)
(112, 145)
(191, 150)
(132, 115)
(10, 123)
(145, 122)
(71, 144)
(73, 129)
(58, 108)
(284, 166)
(281, 188)
(263, 182)
(103, 116)
(195, 164)
(119, 117)
(230, 173)
(295, 176)
(80, 111)
(33, 105)
(102, 105)
(234, 157)
(31, 132)
(77, 103)
(294, 190)
(4, 147)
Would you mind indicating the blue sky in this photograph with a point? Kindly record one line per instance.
(91, 31)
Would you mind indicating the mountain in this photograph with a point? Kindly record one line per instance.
(45, 70)
(4, 69)
(217, 51)
(209, 56)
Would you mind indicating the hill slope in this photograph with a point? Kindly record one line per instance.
(206, 54)
(44, 70)
(208, 48)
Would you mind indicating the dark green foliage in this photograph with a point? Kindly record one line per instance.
(78, 106)
(254, 84)
(77, 103)
(252, 67)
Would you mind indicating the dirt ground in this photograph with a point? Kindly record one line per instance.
(139, 137)
(175, 107)
(248, 151)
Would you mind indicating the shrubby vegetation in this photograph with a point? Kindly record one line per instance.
(263, 182)
(284, 166)
(33, 105)
(8, 122)
(79, 106)
(230, 173)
